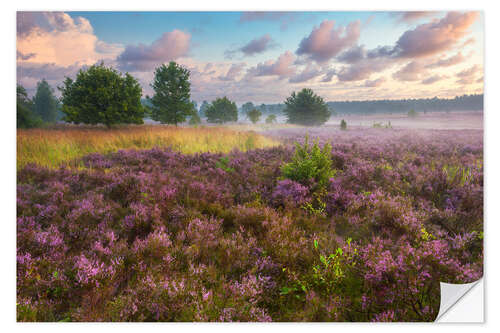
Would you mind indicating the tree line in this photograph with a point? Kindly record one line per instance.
(102, 95)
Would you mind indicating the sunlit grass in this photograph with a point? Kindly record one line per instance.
(54, 147)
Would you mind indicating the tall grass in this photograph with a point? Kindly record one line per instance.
(54, 146)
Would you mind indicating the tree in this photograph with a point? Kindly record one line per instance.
(46, 104)
(271, 119)
(247, 107)
(306, 108)
(343, 125)
(203, 108)
(254, 115)
(171, 101)
(101, 95)
(222, 110)
(25, 117)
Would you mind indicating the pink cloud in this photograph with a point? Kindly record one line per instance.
(56, 37)
(374, 83)
(468, 76)
(170, 46)
(453, 60)
(325, 42)
(435, 37)
(413, 71)
(233, 72)
(282, 67)
(412, 16)
(434, 79)
(310, 72)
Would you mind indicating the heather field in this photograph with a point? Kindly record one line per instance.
(164, 232)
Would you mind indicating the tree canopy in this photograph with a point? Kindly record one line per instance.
(271, 119)
(222, 110)
(101, 95)
(171, 103)
(45, 102)
(25, 117)
(254, 115)
(306, 108)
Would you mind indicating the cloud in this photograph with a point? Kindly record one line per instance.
(282, 67)
(170, 46)
(433, 79)
(307, 74)
(453, 60)
(435, 37)
(353, 55)
(411, 17)
(22, 56)
(46, 71)
(56, 37)
(329, 75)
(468, 76)
(27, 22)
(233, 72)
(413, 71)
(255, 46)
(284, 18)
(325, 42)
(363, 69)
(374, 83)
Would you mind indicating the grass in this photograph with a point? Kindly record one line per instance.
(53, 147)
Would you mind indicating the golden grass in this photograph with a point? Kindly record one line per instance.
(54, 147)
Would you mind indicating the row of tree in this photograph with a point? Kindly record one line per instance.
(101, 95)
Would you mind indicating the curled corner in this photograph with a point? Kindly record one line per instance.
(451, 296)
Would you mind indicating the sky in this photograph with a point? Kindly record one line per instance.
(264, 56)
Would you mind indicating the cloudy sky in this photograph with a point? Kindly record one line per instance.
(264, 56)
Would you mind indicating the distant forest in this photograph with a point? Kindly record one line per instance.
(459, 103)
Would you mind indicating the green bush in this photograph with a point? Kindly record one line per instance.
(310, 164)
(343, 125)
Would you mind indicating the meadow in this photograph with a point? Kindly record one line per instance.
(53, 147)
(220, 234)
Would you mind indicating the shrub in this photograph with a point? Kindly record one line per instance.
(343, 125)
(271, 119)
(310, 164)
(412, 113)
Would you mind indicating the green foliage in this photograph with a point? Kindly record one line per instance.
(310, 164)
(458, 175)
(222, 110)
(380, 125)
(101, 95)
(223, 163)
(412, 113)
(329, 275)
(254, 115)
(195, 119)
(171, 102)
(343, 125)
(46, 104)
(306, 108)
(25, 117)
(271, 119)
(247, 107)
